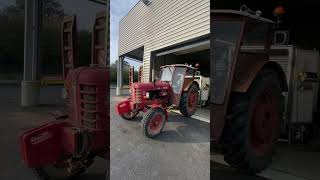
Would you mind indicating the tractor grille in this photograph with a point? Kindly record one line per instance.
(88, 105)
(137, 95)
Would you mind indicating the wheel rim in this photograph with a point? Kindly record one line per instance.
(192, 100)
(155, 124)
(263, 123)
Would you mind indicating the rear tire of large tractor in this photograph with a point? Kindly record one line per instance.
(153, 122)
(189, 101)
(253, 123)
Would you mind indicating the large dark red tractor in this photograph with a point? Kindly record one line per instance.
(176, 87)
(67, 146)
(247, 101)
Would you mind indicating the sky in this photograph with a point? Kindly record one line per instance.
(119, 8)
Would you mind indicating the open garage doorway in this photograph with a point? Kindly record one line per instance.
(194, 54)
(132, 71)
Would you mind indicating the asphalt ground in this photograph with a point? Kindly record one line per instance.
(289, 163)
(15, 119)
(180, 152)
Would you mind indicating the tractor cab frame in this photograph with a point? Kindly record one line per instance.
(179, 77)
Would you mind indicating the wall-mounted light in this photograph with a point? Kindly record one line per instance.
(146, 2)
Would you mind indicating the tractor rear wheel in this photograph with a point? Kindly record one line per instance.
(153, 122)
(252, 128)
(189, 101)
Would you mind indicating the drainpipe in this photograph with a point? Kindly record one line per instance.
(30, 85)
(120, 76)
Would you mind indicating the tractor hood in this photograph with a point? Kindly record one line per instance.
(150, 86)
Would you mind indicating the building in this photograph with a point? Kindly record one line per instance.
(158, 32)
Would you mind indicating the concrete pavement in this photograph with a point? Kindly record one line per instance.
(289, 162)
(180, 152)
(15, 119)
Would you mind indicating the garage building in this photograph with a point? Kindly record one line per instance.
(159, 32)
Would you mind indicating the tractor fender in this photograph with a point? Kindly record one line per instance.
(243, 79)
(187, 84)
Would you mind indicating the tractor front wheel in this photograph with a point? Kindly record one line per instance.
(153, 122)
(252, 129)
(189, 101)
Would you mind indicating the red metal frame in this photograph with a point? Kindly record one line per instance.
(131, 75)
(99, 39)
(140, 73)
(68, 44)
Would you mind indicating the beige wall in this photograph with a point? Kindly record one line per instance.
(163, 23)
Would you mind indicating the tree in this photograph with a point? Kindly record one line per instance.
(113, 72)
(52, 10)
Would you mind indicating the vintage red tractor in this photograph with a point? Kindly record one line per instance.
(176, 87)
(67, 146)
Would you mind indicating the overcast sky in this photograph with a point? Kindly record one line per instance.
(119, 8)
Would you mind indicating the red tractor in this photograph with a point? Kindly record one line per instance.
(176, 87)
(247, 101)
(67, 146)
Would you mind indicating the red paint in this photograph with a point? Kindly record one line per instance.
(263, 125)
(192, 100)
(139, 101)
(88, 116)
(155, 124)
(42, 145)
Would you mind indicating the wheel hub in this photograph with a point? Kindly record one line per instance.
(192, 100)
(155, 124)
(263, 123)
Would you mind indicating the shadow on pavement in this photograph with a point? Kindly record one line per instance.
(223, 172)
(95, 176)
(189, 130)
(185, 130)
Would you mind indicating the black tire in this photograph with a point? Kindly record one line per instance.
(242, 148)
(130, 116)
(148, 118)
(186, 109)
(51, 172)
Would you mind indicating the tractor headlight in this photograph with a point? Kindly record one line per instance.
(147, 95)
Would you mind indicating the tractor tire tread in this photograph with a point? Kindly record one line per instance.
(184, 101)
(145, 121)
(234, 138)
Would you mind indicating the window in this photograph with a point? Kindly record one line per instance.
(256, 33)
